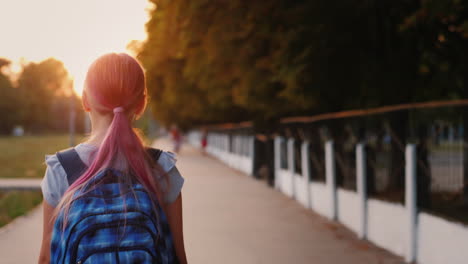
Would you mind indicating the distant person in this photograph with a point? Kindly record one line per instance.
(18, 131)
(111, 199)
(176, 137)
(204, 141)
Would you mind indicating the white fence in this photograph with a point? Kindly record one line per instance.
(401, 229)
(237, 151)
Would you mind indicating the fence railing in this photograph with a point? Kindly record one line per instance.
(396, 176)
(351, 206)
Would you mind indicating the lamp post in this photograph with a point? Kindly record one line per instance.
(71, 124)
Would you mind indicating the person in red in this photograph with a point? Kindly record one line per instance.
(176, 138)
(204, 141)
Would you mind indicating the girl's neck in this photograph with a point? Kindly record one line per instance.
(99, 126)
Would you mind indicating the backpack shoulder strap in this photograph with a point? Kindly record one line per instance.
(75, 167)
(154, 153)
(72, 164)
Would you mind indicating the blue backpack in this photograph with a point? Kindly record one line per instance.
(110, 223)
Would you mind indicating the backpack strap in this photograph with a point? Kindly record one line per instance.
(74, 167)
(72, 164)
(154, 153)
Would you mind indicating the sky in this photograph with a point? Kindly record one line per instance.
(73, 31)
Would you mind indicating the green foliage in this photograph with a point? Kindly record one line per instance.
(17, 203)
(39, 99)
(210, 62)
(41, 85)
(147, 126)
(9, 101)
(442, 27)
(227, 61)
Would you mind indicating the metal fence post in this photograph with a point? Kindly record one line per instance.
(251, 154)
(306, 170)
(410, 200)
(331, 178)
(277, 155)
(361, 188)
(72, 117)
(291, 166)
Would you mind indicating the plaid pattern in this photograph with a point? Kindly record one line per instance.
(112, 223)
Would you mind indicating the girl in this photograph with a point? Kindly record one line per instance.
(114, 95)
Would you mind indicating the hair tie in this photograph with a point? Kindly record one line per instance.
(118, 110)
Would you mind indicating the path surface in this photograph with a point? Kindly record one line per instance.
(230, 218)
(20, 240)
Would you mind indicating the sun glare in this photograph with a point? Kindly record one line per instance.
(75, 32)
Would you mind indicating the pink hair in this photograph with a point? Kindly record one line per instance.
(117, 80)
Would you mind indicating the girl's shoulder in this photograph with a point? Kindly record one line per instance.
(54, 184)
(167, 160)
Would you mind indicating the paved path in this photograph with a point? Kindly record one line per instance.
(231, 218)
(20, 240)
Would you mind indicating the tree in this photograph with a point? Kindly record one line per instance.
(214, 62)
(9, 101)
(41, 86)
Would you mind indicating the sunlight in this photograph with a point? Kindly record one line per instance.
(75, 32)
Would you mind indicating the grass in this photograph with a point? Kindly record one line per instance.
(24, 157)
(16, 203)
